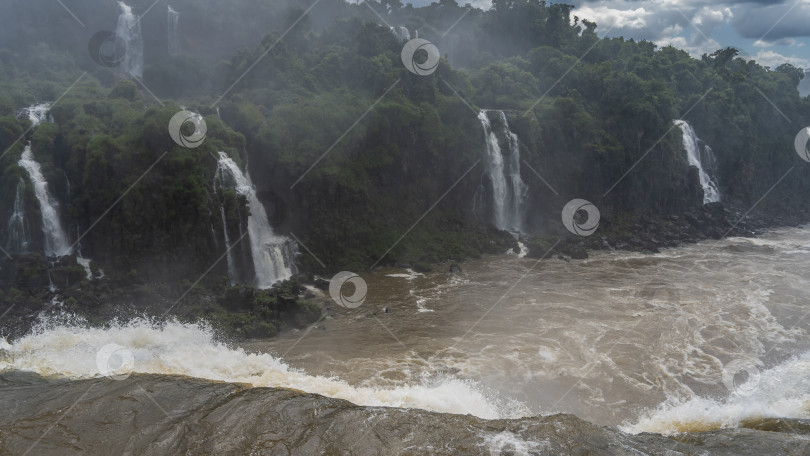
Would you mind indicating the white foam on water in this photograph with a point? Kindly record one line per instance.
(58, 349)
(780, 392)
(420, 305)
(409, 274)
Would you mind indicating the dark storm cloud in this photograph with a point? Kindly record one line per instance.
(773, 22)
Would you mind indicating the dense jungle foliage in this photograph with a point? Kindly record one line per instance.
(594, 117)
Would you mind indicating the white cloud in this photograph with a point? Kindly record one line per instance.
(780, 42)
(774, 22)
(773, 59)
(706, 20)
(611, 18)
(695, 50)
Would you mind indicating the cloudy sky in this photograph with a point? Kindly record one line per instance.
(771, 31)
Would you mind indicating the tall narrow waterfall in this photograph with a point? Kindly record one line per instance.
(129, 30)
(18, 238)
(174, 38)
(219, 178)
(509, 194)
(273, 255)
(702, 158)
(55, 239)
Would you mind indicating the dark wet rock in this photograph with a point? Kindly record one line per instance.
(579, 254)
(303, 277)
(321, 284)
(649, 233)
(159, 415)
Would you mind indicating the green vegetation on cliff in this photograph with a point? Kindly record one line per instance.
(586, 110)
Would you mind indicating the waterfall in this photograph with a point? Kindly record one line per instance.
(701, 158)
(85, 263)
(273, 255)
(509, 192)
(231, 265)
(18, 239)
(67, 187)
(56, 240)
(129, 30)
(401, 33)
(37, 113)
(174, 39)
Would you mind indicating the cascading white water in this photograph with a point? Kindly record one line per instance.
(174, 38)
(229, 254)
(273, 255)
(129, 30)
(509, 192)
(55, 239)
(18, 239)
(37, 113)
(401, 33)
(703, 159)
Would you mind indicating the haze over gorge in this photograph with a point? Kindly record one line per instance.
(291, 227)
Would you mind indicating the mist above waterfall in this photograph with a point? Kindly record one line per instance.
(129, 31)
(173, 19)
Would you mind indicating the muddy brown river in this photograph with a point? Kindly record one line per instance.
(702, 349)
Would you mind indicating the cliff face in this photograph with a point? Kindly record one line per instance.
(367, 163)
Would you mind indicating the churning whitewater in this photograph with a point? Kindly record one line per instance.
(71, 350)
(635, 352)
